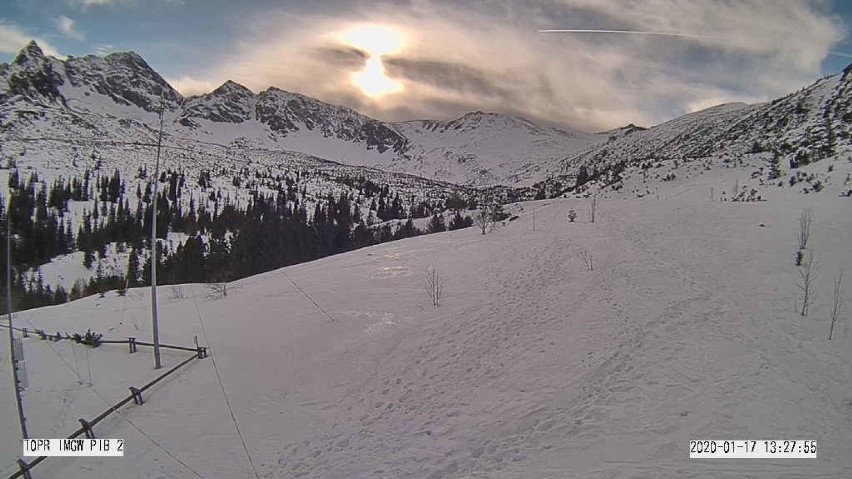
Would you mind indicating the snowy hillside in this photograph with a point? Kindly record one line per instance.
(807, 126)
(533, 366)
(487, 148)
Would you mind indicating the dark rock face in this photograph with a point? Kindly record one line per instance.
(124, 77)
(35, 76)
(230, 103)
(284, 112)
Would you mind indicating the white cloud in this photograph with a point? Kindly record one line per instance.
(86, 4)
(188, 85)
(104, 49)
(66, 26)
(490, 56)
(13, 39)
(92, 3)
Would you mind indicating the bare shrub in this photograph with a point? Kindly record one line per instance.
(805, 228)
(483, 221)
(434, 286)
(572, 215)
(836, 302)
(217, 289)
(587, 258)
(176, 292)
(807, 276)
(122, 288)
(593, 206)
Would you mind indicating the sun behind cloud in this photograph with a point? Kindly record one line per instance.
(376, 40)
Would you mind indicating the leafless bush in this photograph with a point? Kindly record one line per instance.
(176, 292)
(434, 286)
(836, 302)
(484, 220)
(217, 290)
(593, 205)
(805, 228)
(587, 258)
(807, 276)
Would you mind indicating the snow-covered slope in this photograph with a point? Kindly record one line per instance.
(532, 367)
(488, 148)
(807, 126)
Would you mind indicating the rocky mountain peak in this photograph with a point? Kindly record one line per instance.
(125, 77)
(231, 87)
(230, 103)
(29, 54)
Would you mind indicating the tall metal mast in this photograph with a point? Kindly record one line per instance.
(157, 364)
(13, 359)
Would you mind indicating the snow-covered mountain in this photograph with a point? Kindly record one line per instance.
(806, 126)
(489, 148)
(82, 98)
(53, 111)
(118, 96)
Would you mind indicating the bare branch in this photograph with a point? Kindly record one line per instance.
(807, 275)
(434, 286)
(176, 292)
(836, 302)
(805, 228)
(593, 205)
(483, 221)
(587, 258)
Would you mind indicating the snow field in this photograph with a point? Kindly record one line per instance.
(532, 367)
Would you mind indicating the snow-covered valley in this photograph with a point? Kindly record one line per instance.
(533, 366)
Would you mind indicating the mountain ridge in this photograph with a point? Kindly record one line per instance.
(124, 85)
(476, 149)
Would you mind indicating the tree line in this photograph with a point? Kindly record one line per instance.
(223, 241)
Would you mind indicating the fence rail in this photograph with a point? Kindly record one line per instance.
(135, 396)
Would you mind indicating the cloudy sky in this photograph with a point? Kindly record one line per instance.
(637, 61)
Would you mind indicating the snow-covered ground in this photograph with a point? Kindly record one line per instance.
(532, 367)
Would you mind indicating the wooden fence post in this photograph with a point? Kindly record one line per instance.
(137, 395)
(25, 469)
(87, 428)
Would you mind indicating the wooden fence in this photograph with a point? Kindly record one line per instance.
(87, 427)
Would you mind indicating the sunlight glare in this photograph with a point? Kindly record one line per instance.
(373, 81)
(376, 41)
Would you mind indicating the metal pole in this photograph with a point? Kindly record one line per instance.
(157, 364)
(14, 360)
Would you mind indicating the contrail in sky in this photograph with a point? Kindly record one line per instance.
(629, 32)
(840, 54)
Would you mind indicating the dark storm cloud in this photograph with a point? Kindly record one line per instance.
(446, 75)
(342, 56)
